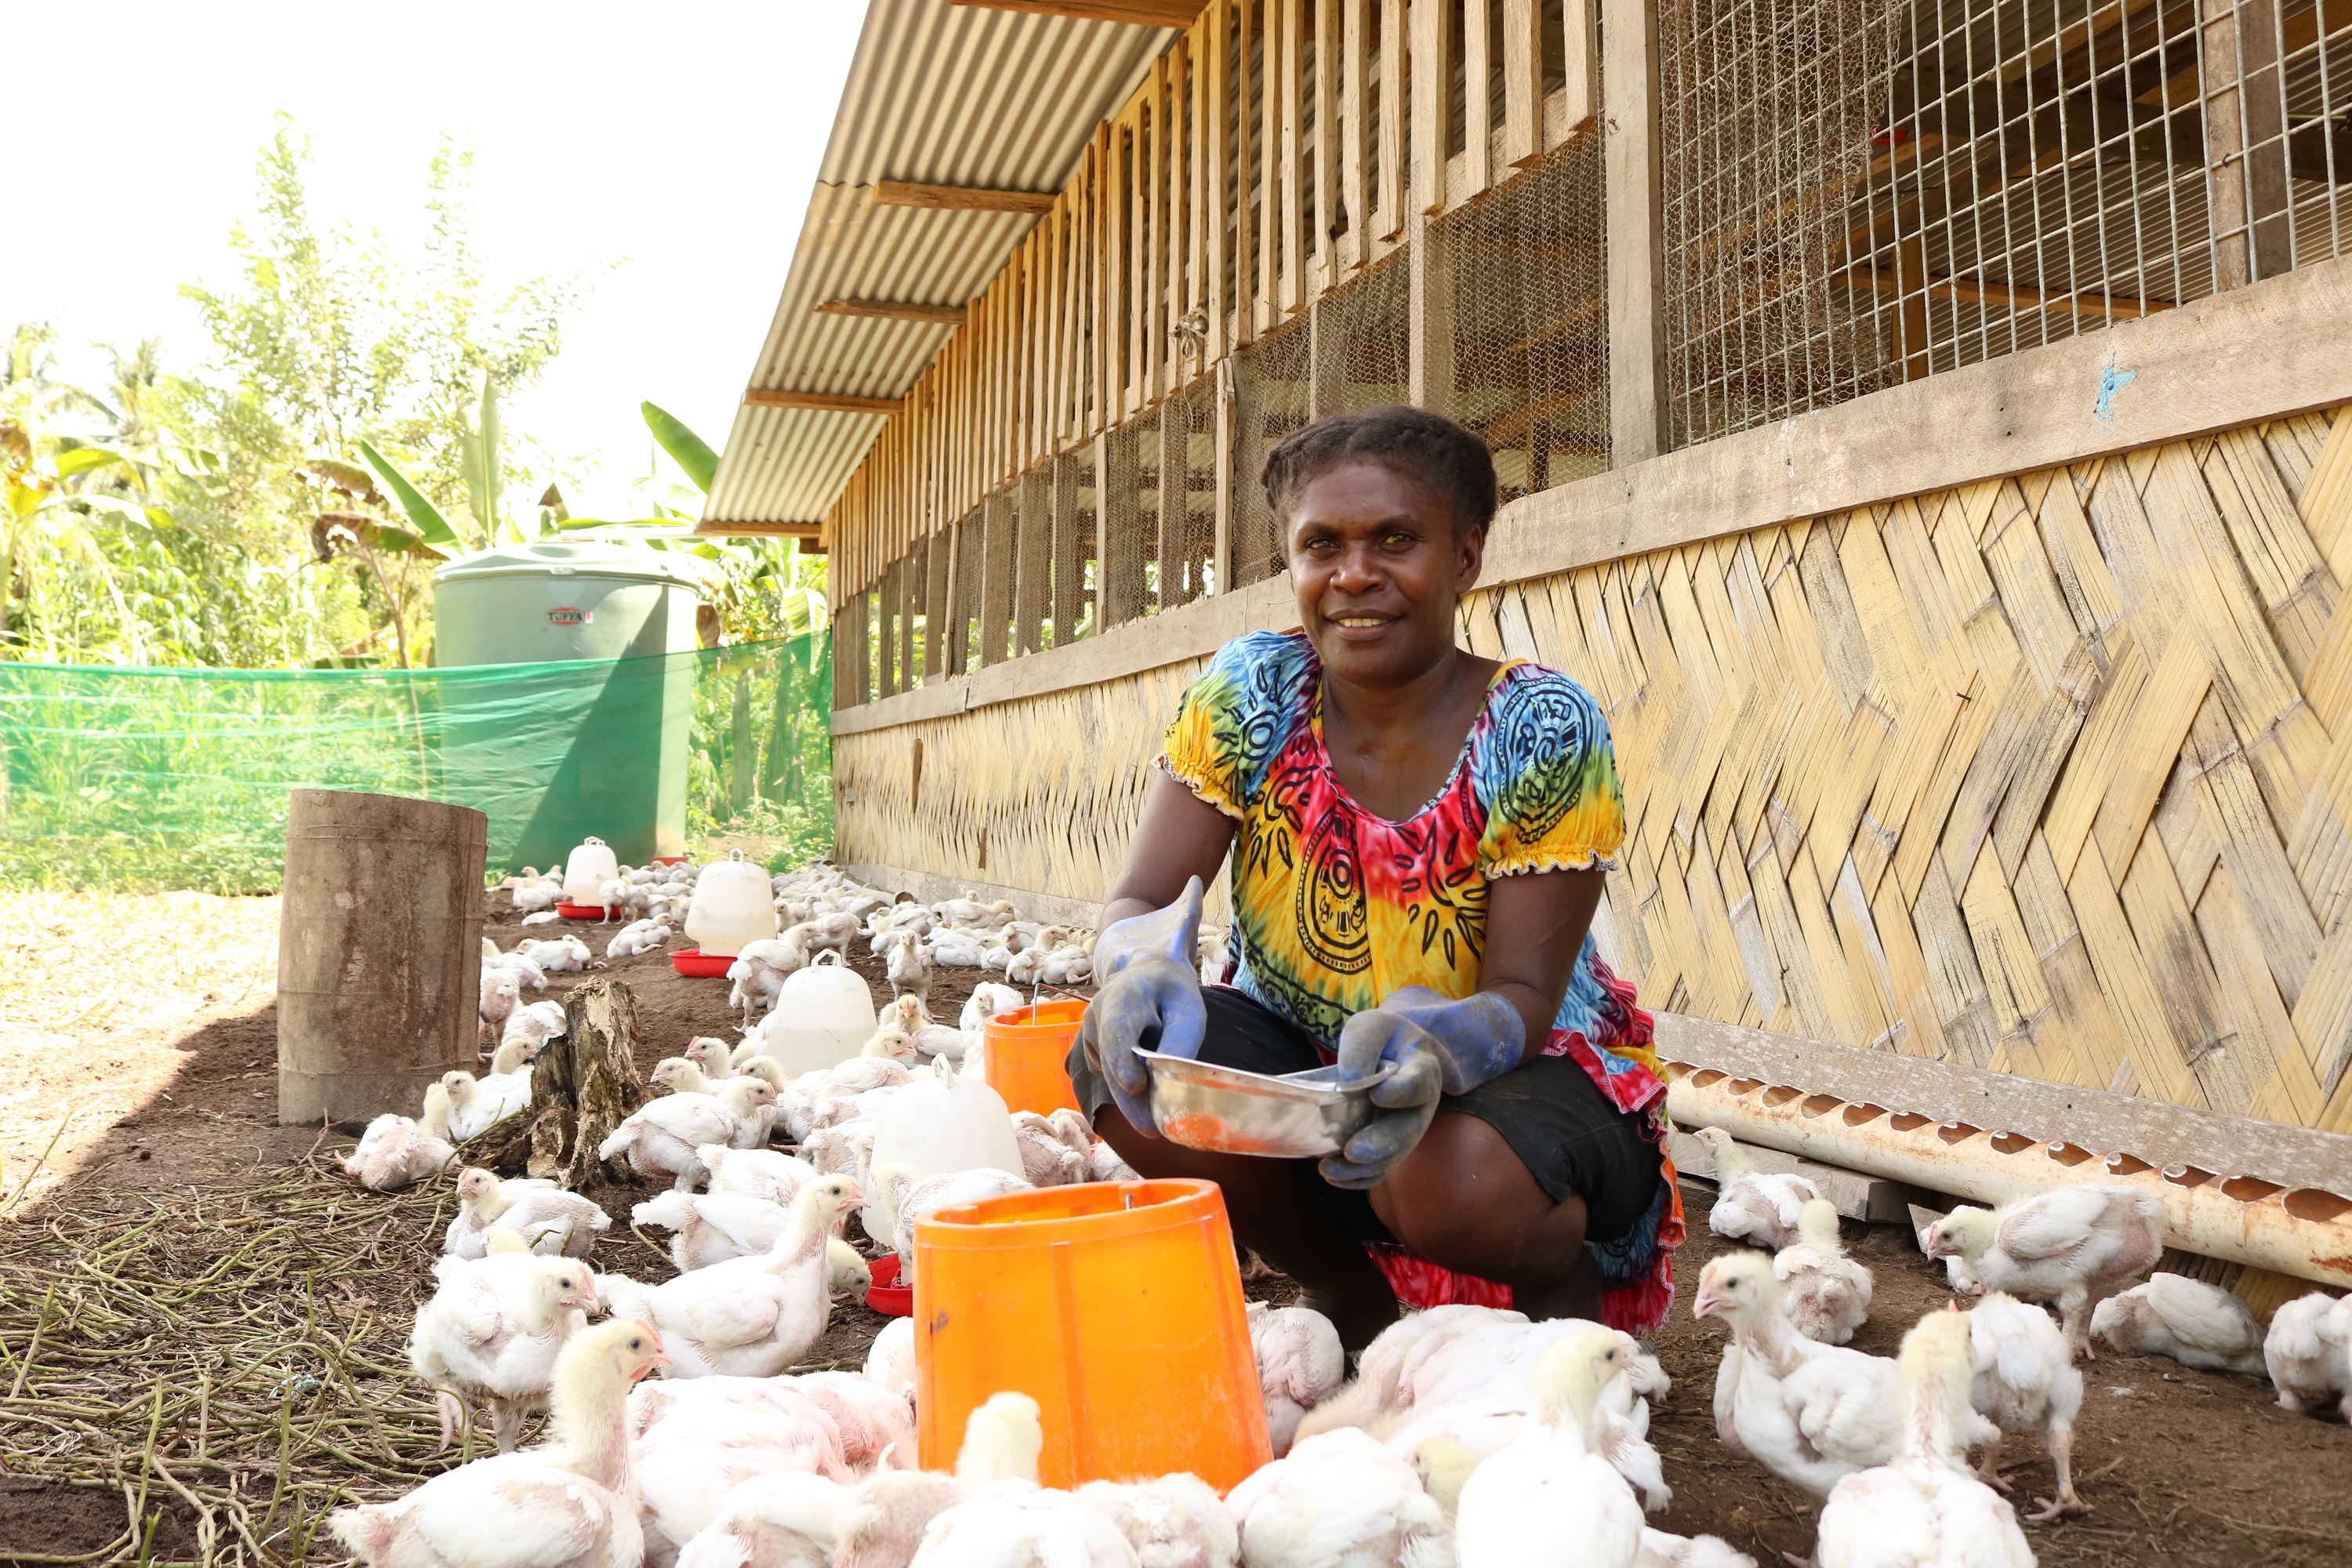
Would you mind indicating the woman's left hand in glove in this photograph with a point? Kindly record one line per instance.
(1438, 1047)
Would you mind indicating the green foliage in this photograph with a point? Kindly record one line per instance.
(177, 518)
(689, 450)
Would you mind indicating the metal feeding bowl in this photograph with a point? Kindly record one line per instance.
(1296, 1116)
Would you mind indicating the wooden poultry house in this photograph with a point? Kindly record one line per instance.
(1925, 424)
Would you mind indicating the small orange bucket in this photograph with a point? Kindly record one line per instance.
(1116, 1306)
(1027, 1048)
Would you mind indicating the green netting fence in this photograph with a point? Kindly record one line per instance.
(147, 779)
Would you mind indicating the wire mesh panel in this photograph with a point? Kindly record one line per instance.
(1530, 312)
(1188, 494)
(1863, 192)
(1271, 399)
(1368, 332)
(2278, 106)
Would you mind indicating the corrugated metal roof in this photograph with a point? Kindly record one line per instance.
(939, 94)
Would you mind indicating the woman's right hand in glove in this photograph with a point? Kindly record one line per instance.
(1149, 999)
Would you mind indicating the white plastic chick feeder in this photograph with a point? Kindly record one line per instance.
(733, 906)
(823, 1015)
(586, 873)
(935, 1124)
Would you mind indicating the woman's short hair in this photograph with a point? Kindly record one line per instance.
(1423, 445)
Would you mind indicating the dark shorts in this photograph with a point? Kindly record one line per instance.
(1570, 1137)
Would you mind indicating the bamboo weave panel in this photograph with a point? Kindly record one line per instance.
(2049, 774)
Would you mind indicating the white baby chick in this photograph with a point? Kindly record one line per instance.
(548, 1219)
(1924, 1508)
(2025, 1378)
(1809, 1413)
(2308, 1353)
(1827, 1294)
(1752, 1205)
(2073, 1247)
(570, 1501)
(1339, 1498)
(489, 1334)
(2195, 1323)
(1175, 1521)
(1512, 1503)
(1299, 1364)
(395, 1152)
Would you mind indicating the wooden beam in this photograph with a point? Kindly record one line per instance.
(1629, 160)
(760, 529)
(1142, 13)
(959, 198)
(2013, 297)
(895, 310)
(823, 402)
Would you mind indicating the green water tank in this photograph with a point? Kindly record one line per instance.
(617, 621)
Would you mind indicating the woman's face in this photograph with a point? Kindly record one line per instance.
(1378, 572)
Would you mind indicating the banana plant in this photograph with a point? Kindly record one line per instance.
(422, 515)
(477, 452)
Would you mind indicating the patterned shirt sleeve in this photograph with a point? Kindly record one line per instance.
(1547, 777)
(1231, 721)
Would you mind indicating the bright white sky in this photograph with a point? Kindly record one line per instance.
(678, 141)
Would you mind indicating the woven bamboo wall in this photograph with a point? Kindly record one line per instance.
(2043, 775)
(1040, 793)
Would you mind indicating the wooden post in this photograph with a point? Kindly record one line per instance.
(1119, 542)
(1523, 97)
(1394, 51)
(996, 568)
(1433, 81)
(1175, 499)
(1033, 560)
(1327, 360)
(1430, 322)
(886, 628)
(1356, 39)
(1477, 66)
(379, 952)
(1221, 550)
(2245, 142)
(936, 572)
(1630, 151)
(909, 590)
(1070, 560)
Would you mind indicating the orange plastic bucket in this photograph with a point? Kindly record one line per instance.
(1116, 1306)
(1027, 1048)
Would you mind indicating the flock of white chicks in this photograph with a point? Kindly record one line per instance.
(1884, 1443)
(1470, 1437)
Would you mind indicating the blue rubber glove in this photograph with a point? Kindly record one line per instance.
(1438, 1046)
(1148, 997)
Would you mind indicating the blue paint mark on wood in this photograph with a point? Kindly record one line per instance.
(2112, 380)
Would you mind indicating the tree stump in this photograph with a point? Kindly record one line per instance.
(583, 1085)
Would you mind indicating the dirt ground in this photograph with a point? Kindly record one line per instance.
(170, 1088)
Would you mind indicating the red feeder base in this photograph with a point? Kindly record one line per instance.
(697, 964)
(581, 912)
(884, 1293)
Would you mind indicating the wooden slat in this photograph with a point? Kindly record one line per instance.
(824, 402)
(1355, 130)
(1329, 48)
(959, 198)
(1477, 63)
(1522, 52)
(1433, 77)
(1389, 210)
(1286, 95)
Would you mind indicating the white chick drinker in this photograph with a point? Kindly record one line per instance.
(823, 1014)
(732, 906)
(586, 873)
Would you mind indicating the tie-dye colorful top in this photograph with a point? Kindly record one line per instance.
(1335, 908)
